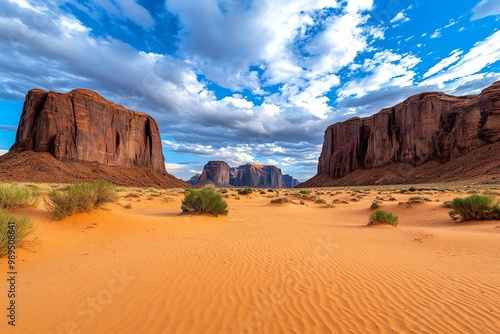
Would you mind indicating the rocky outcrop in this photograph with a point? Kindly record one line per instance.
(233, 173)
(290, 182)
(255, 175)
(81, 126)
(425, 127)
(80, 136)
(216, 173)
(219, 174)
(194, 179)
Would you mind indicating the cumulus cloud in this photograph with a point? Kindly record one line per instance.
(436, 33)
(485, 8)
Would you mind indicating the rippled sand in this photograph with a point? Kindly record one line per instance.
(262, 269)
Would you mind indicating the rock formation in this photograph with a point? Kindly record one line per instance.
(255, 175)
(233, 172)
(194, 179)
(219, 173)
(290, 182)
(216, 173)
(82, 127)
(425, 127)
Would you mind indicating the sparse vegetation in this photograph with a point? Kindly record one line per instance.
(80, 197)
(280, 200)
(304, 192)
(23, 227)
(375, 205)
(15, 196)
(383, 217)
(475, 207)
(319, 201)
(205, 200)
(246, 191)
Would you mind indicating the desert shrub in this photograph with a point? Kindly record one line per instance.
(132, 195)
(375, 204)
(280, 200)
(128, 206)
(262, 192)
(205, 200)
(475, 207)
(383, 217)
(447, 204)
(246, 191)
(270, 190)
(23, 227)
(223, 191)
(319, 201)
(304, 192)
(412, 189)
(80, 197)
(14, 196)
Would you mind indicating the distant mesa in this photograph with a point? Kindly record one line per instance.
(430, 137)
(194, 180)
(80, 136)
(219, 174)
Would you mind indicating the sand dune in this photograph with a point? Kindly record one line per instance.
(262, 269)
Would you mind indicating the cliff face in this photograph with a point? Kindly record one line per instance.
(220, 174)
(81, 126)
(289, 181)
(425, 127)
(215, 172)
(254, 175)
(81, 137)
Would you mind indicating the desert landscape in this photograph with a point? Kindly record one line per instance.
(249, 167)
(139, 265)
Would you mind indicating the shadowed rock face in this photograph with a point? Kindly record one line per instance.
(290, 182)
(194, 179)
(81, 126)
(254, 175)
(425, 127)
(219, 173)
(215, 172)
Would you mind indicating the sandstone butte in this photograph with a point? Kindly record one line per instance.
(430, 137)
(80, 136)
(219, 174)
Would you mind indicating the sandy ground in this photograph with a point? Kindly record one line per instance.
(262, 269)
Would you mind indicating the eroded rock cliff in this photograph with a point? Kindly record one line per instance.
(216, 173)
(425, 127)
(81, 126)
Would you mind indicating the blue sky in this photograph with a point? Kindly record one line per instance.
(245, 81)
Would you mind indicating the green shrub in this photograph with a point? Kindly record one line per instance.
(23, 227)
(246, 191)
(412, 189)
(14, 196)
(262, 192)
(205, 200)
(383, 217)
(475, 207)
(280, 200)
(319, 201)
(80, 197)
(304, 192)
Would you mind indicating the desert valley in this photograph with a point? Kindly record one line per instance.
(146, 255)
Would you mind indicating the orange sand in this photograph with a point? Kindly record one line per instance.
(262, 269)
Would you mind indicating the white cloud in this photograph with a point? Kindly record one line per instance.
(436, 33)
(484, 53)
(385, 69)
(400, 18)
(2, 152)
(444, 63)
(451, 23)
(485, 8)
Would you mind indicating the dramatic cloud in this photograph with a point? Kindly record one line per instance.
(242, 81)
